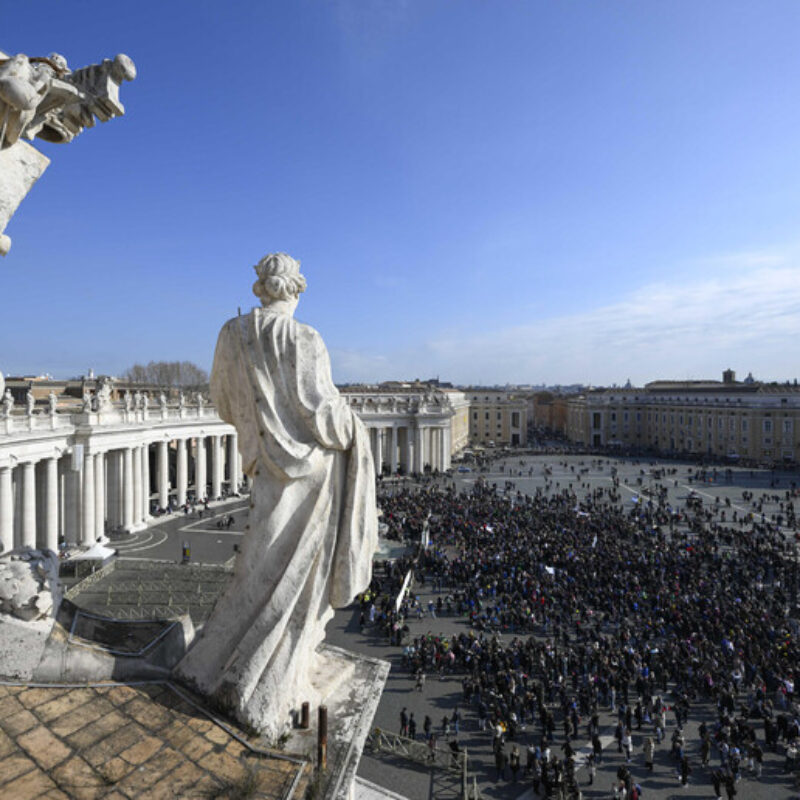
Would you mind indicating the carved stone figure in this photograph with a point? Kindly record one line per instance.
(181, 400)
(313, 521)
(104, 394)
(128, 401)
(137, 400)
(201, 401)
(42, 97)
(8, 403)
(52, 403)
(87, 401)
(29, 402)
(27, 584)
(162, 400)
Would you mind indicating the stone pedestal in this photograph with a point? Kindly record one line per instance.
(20, 167)
(351, 686)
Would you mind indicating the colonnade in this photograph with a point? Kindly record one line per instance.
(79, 494)
(409, 447)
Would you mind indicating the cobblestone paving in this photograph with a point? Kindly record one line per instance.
(123, 741)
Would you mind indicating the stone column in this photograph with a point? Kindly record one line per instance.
(233, 462)
(6, 510)
(72, 491)
(393, 452)
(200, 469)
(447, 446)
(137, 484)
(51, 505)
(99, 496)
(163, 474)
(378, 452)
(28, 505)
(420, 448)
(87, 517)
(112, 501)
(127, 488)
(433, 455)
(145, 482)
(216, 479)
(180, 473)
(409, 450)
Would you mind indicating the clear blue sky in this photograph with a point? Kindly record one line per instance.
(484, 190)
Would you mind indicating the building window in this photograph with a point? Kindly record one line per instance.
(767, 426)
(515, 419)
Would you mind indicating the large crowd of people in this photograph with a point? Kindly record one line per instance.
(576, 614)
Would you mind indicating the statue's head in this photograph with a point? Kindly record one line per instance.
(279, 278)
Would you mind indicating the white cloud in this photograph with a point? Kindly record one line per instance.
(747, 318)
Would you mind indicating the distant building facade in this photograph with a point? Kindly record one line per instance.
(548, 410)
(413, 427)
(497, 417)
(732, 419)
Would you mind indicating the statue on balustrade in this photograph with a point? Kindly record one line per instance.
(8, 403)
(313, 521)
(30, 402)
(103, 394)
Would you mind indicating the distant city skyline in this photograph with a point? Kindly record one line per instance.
(494, 193)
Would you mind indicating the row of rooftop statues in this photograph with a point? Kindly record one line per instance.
(100, 401)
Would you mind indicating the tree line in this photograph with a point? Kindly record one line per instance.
(168, 374)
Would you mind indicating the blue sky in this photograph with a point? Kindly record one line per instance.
(489, 191)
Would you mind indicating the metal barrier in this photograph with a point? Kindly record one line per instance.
(422, 753)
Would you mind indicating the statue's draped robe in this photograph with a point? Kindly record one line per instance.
(312, 526)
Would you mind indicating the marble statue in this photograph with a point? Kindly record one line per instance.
(313, 521)
(52, 403)
(29, 402)
(42, 98)
(26, 583)
(86, 407)
(8, 403)
(137, 400)
(162, 400)
(181, 400)
(128, 397)
(104, 394)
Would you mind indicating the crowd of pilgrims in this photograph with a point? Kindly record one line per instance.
(639, 612)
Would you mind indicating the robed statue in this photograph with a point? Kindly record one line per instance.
(312, 528)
